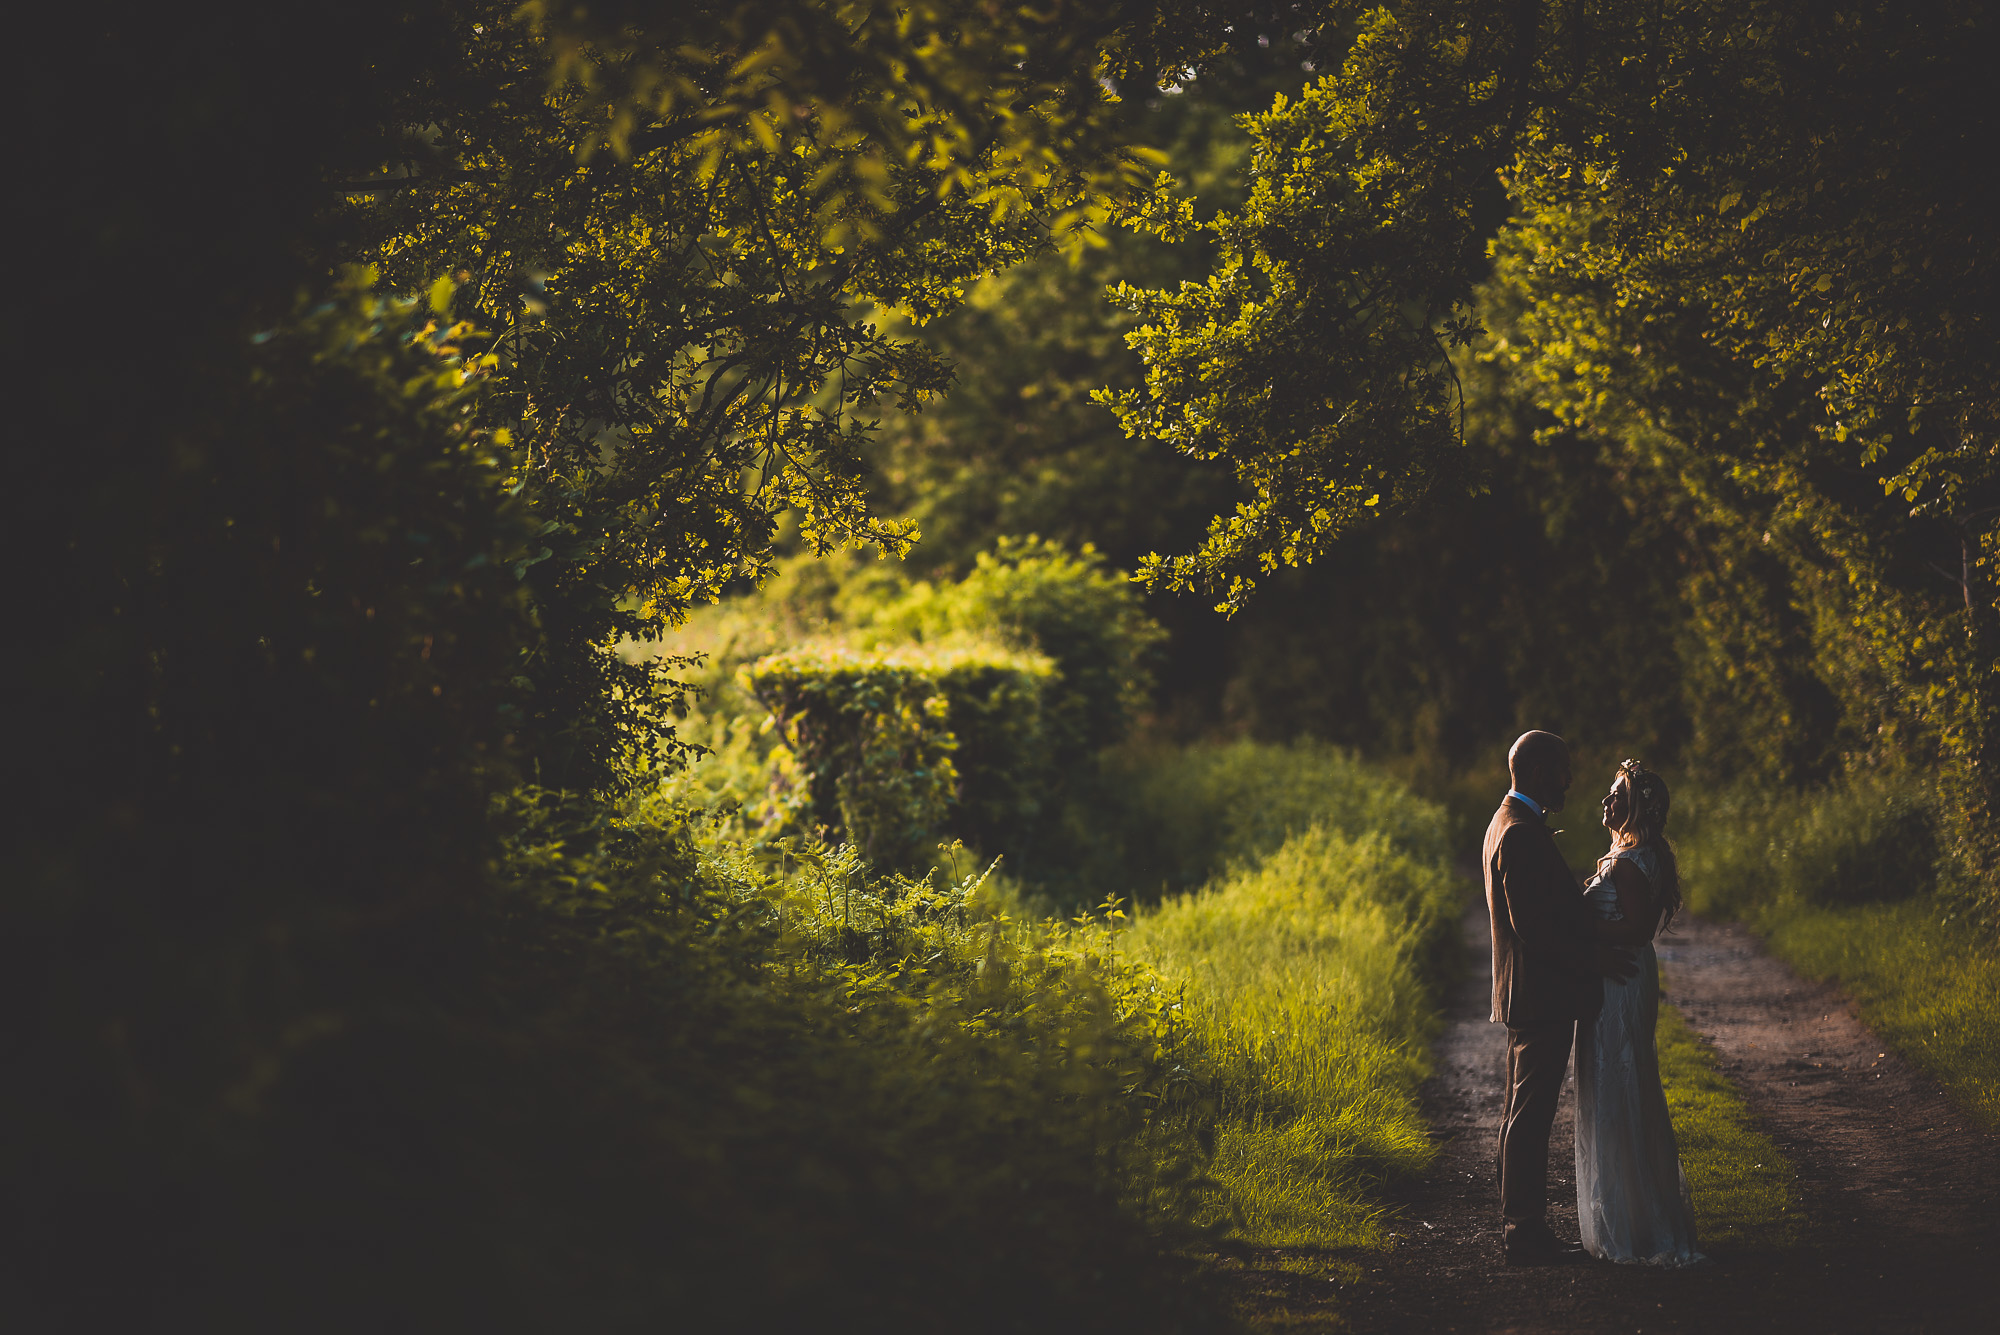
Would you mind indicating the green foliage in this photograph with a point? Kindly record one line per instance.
(1018, 446)
(1314, 361)
(1086, 618)
(298, 1044)
(1816, 630)
(1749, 852)
(681, 233)
(1310, 984)
(786, 1078)
(882, 745)
(1050, 1018)
(1765, 287)
(1024, 749)
(1198, 813)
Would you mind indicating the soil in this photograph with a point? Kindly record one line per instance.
(1903, 1194)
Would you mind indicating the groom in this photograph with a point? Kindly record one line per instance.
(1547, 975)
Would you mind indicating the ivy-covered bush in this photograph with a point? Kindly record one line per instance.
(890, 748)
(1017, 767)
(1036, 594)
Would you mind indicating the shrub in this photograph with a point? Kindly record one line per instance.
(1088, 620)
(888, 748)
(1029, 781)
(1036, 595)
(1747, 851)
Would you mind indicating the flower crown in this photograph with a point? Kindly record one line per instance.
(1649, 791)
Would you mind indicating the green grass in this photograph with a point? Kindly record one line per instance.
(1926, 988)
(1840, 884)
(1742, 1184)
(1199, 810)
(1308, 986)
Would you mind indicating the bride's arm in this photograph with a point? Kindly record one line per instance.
(1640, 911)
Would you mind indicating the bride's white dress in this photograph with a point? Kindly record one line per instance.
(1632, 1200)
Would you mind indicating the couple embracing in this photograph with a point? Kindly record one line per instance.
(1576, 969)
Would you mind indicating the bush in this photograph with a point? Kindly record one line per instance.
(1088, 620)
(1748, 852)
(1038, 596)
(888, 748)
(1025, 776)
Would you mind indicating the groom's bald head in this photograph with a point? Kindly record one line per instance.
(1538, 763)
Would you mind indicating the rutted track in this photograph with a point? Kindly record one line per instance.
(1903, 1194)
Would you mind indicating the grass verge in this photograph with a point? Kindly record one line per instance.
(1841, 884)
(1744, 1196)
(1308, 981)
(1923, 987)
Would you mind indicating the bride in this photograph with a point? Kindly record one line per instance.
(1632, 1199)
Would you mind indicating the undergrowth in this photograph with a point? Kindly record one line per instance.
(846, 1098)
(1311, 995)
(1193, 813)
(1242, 1059)
(1237, 1062)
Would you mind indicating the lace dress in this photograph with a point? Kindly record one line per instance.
(1632, 1200)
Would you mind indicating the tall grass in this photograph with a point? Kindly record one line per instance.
(1195, 812)
(1310, 989)
(872, 1100)
(1752, 854)
(1265, 1034)
(1840, 883)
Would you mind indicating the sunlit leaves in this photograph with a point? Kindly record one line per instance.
(682, 225)
(1315, 359)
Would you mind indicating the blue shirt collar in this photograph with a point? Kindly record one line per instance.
(1528, 802)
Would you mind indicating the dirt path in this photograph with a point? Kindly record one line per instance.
(1903, 1194)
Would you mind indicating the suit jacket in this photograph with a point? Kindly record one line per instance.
(1542, 952)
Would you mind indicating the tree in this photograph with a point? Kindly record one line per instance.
(1755, 230)
(688, 246)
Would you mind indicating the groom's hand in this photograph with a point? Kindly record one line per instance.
(1613, 962)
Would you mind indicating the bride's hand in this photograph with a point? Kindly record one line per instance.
(1613, 962)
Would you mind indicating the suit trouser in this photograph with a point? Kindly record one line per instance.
(1536, 1061)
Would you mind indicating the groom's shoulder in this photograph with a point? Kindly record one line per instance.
(1512, 830)
(1504, 827)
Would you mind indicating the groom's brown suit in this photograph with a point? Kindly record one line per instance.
(1544, 981)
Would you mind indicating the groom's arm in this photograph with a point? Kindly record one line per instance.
(1543, 905)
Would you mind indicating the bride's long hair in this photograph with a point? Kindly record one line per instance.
(1646, 805)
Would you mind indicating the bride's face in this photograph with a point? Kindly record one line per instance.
(1617, 805)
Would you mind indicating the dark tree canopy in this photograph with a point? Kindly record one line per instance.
(1749, 238)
